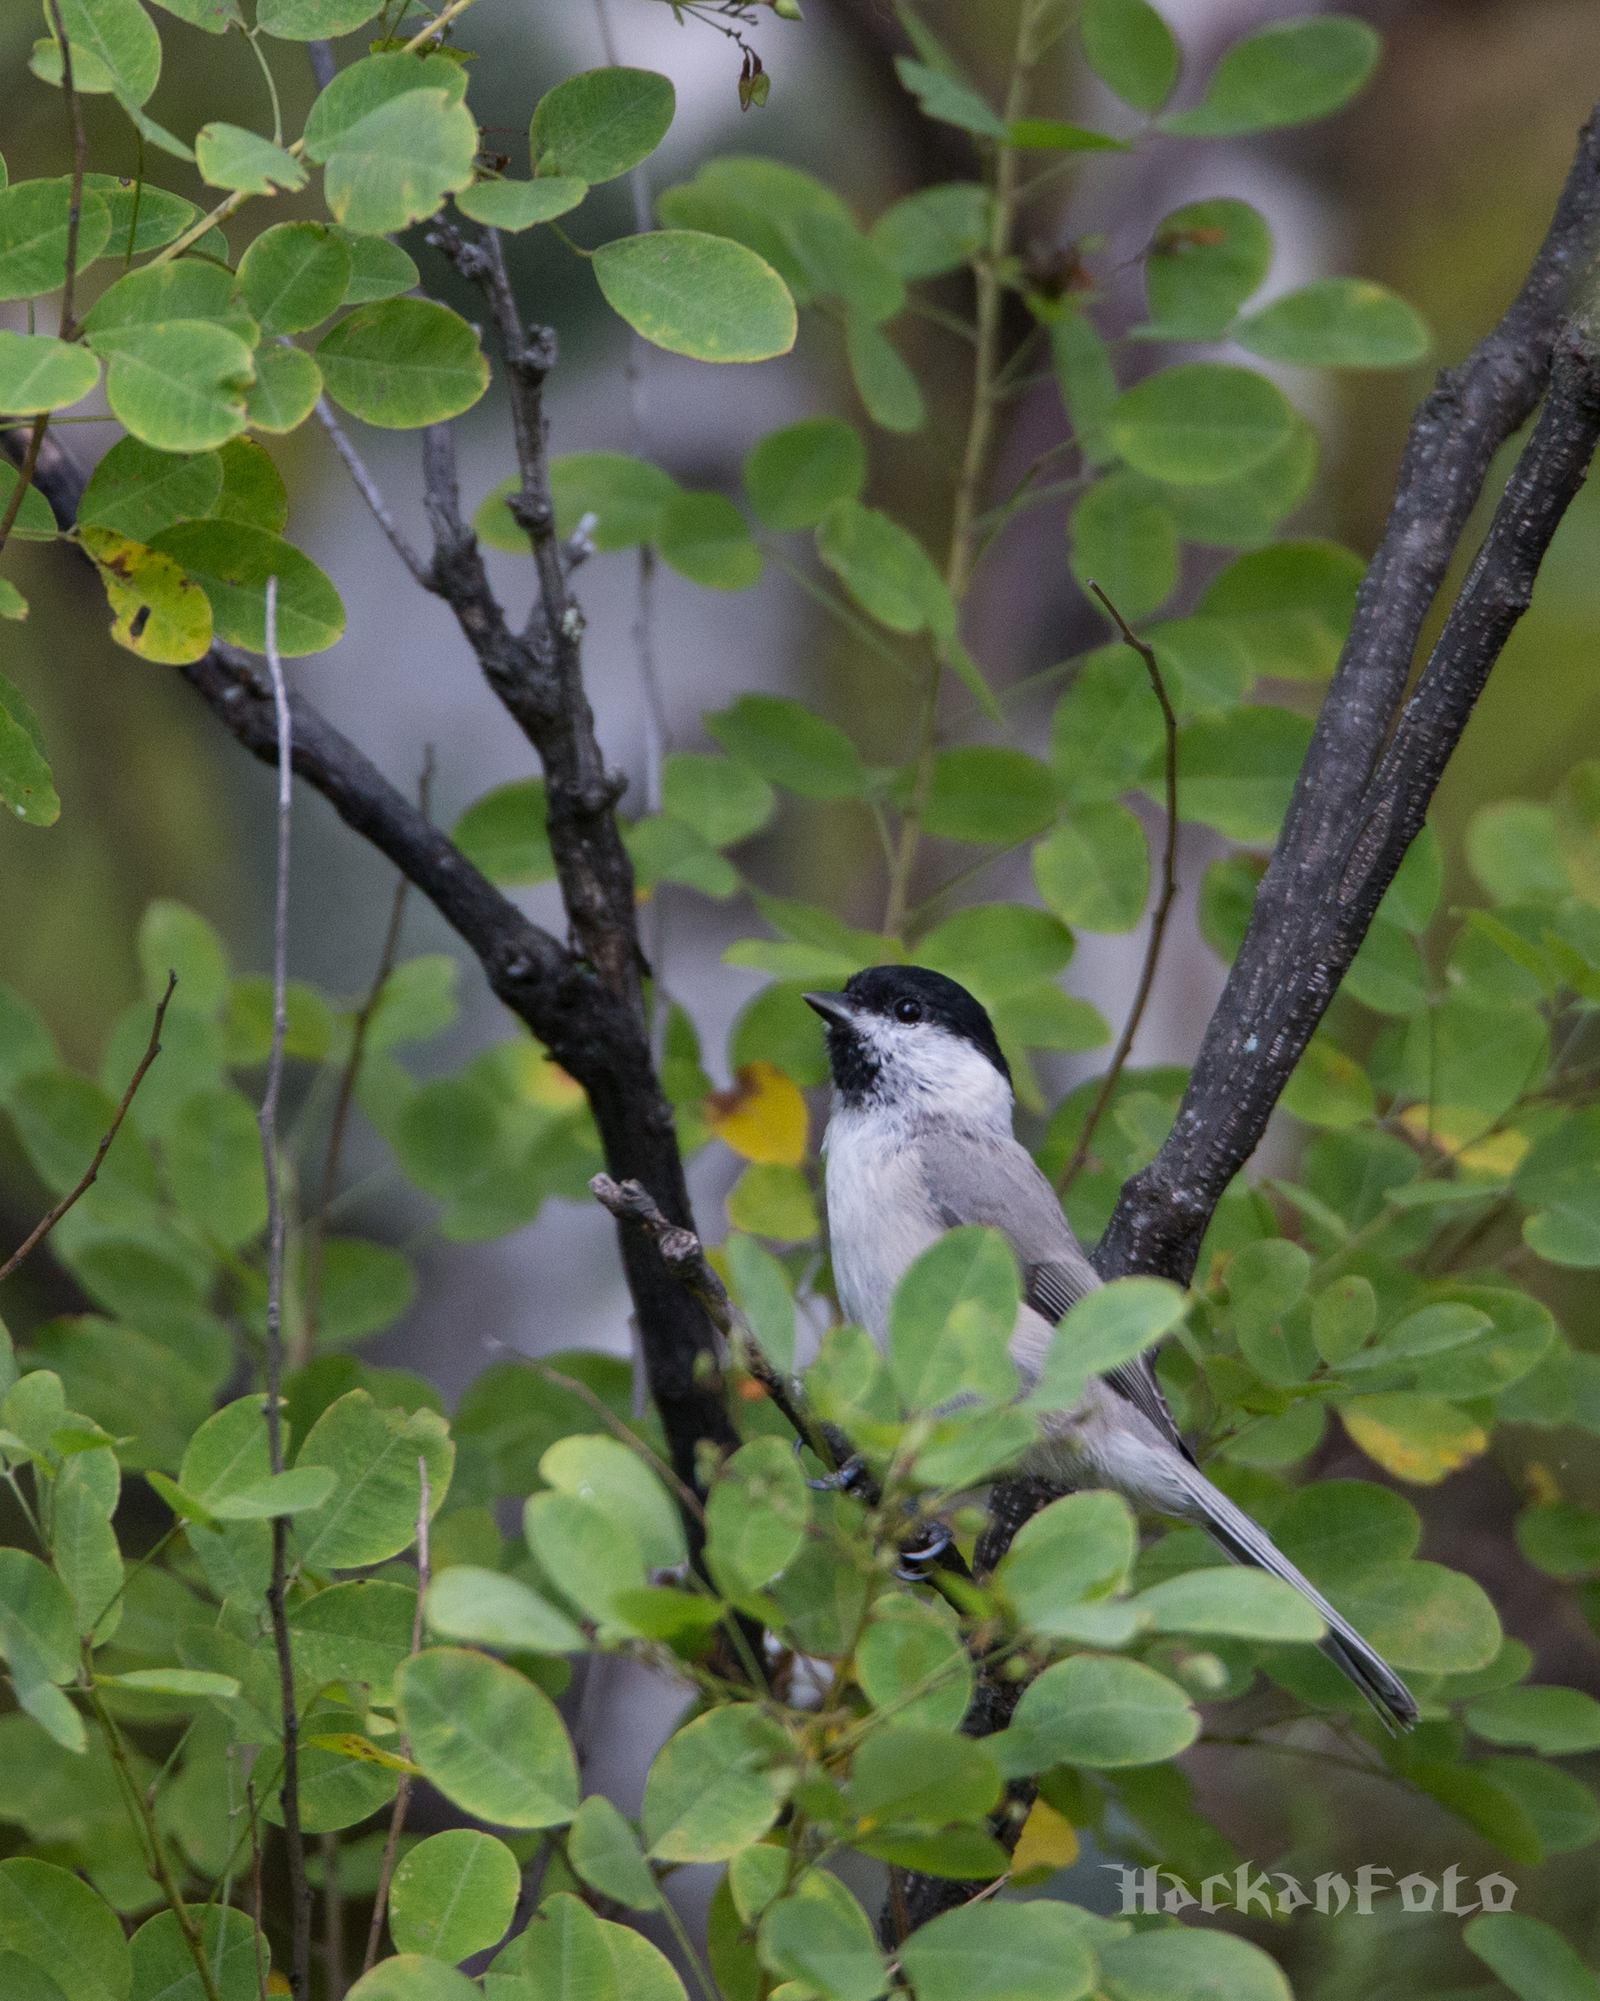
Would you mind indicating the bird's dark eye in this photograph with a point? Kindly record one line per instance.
(908, 1010)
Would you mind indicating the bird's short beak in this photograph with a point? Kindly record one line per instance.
(832, 1007)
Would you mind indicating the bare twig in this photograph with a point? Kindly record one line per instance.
(145, 1823)
(347, 1084)
(369, 490)
(294, 1841)
(43, 1228)
(402, 1798)
(1158, 922)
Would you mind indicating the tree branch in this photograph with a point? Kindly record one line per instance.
(1357, 804)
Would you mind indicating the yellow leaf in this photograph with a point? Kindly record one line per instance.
(1416, 1438)
(160, 614)
(1543, 1491)
(278, 1983)
(1501, 1154)
(350, 1744)
(1048, 1842)
(763, 1117)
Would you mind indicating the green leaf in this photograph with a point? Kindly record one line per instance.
(887, 388)
(1420, 1616)
(600, 124)
(907, 1645)
(941, 97)
(311, 20)
(839, 262)
(1087, 379)
(34, 219)
(771, 1200)
(228, 156)
(164, 1968)
(83, 1544)
(228, 1453)
(138, 1390)
(1239, 513)
(793, 475)
(453, 1895)
(1512, 851)
(756, 1515)
(1533, 1959)
(819, 1936)
(232, 563)
(1472, 1059)
(252, 492)
(595, 1555)
(38, 1623)
(161, 216)
(503, 833)
(493, 1610)
(295, 1493)
(1227, 899)
(1096, 1710)
(372, 1513)
(703, 296)
(1001, 1952)
(1337, 323)
(1186, 1961)
(397, 164)
(378, 269)
(706, 539)
(121, 37)
(61, 1119)
(403, 363)
(1560, 1181)
(1247, 1604)
(1055, 135)
(760, 1287)
(1201, 422)
(988, 793)
(791, 747)
(26, 784)
(1107, 727)
(51, 1917)
(409, 1976)
(604, 1851)
(751, 200)
(951, 1317)
(487, 1738)
(1126, 542)
(604, 1474)
(723, 800)
(38, 372)
(517, 205)
(1236, 771)
(1093, 870)
(1132, 50)
(1205, 260)
(137, 492)
(212, 17)
(177, 384)
(369, 84)
(183, 1682)
(34, 522)
(293, 277)
(1106, 1327)
(716, 1785)
(214, 1165)
(1556, 1722)
(885, 569)
(1076, 1549)
(935, 230)
(358, 1632)
(1561, 1810)
(999, 950)
(1290, 73)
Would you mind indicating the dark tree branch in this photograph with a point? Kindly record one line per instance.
(1361, 798)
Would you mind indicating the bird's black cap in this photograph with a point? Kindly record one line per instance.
(891, 991)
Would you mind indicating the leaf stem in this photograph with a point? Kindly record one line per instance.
(1158, 923)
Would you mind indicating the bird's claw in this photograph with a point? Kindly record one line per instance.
(918, 1557)
(847, 1478)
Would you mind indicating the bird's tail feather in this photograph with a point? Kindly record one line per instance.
(1248, 1543)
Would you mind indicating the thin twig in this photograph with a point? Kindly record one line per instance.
(402, 1798)
(1158, 923)
(367, 487)
(684, 1256)
(347, 1085)
(160, 1867)
(80, 160)
(43, 1228)
(41, 424)
(299, 1886)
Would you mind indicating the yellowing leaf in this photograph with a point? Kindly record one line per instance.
(1416, 1438)
(278, 1983)
(350, 1744)
(763, 1117)
(161, 614)
(1048, 1842)
(1450, 1128)
(1500, 1154)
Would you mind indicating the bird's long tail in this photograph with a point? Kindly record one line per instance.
(1247, 1542)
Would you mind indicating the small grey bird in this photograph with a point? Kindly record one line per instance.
(920, 1142)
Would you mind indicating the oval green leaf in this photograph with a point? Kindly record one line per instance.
(487, 1738)
(704, 296)
(403, 363)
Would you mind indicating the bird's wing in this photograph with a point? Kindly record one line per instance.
(998, 1183)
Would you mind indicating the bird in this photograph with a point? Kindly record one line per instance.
(920, 1141)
